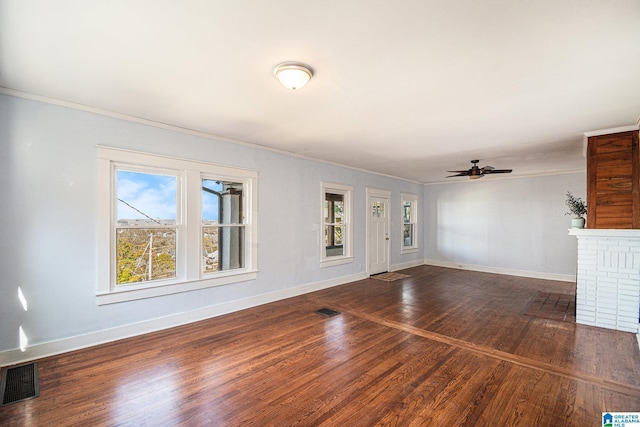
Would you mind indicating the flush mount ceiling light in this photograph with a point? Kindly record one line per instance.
(293, 75)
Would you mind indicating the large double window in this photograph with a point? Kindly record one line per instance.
(171, 225)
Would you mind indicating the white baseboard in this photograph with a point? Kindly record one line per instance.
(404, 265)
(51, 348)
(40, 350)
(507, 271)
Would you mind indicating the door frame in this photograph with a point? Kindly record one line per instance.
(381, 194)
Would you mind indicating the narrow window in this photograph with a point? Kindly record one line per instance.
(336, 214)
(223, 230)
(334, 224)
(409, 223)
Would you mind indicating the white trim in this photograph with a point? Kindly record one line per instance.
(347, 192)
(138, 157)
(506, 271)
(408, 264)
(186, 131)
(51, 348)
(609, 131)
(188, 275)
(605, 232)
(409, 250)
(124, 294)
(336, 260)
(413, 199)
(376, 192)
(587, 135)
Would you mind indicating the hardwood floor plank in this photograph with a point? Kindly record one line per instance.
(623, 386)
(441, 347)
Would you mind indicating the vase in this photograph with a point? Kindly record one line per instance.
(577, 222)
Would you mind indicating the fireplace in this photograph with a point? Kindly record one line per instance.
(608, 278)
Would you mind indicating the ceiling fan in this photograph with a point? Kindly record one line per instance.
(475, 172)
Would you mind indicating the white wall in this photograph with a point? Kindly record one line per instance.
(49, 193)
(513, 225)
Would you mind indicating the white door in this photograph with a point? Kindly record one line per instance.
(378, 235)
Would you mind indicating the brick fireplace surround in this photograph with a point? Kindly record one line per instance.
(608, 278)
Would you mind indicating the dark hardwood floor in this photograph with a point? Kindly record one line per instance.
(442, 347)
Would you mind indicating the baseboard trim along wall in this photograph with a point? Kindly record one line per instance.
(410, 264)
(51, 348)
(507, 271)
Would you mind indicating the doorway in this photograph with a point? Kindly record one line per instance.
(378, 231)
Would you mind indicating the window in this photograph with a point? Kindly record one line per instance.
(409, 223)
(171, 225)
(223, 230)
(146, 226)
(336, 213)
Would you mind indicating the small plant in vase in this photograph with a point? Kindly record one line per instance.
(577, 208)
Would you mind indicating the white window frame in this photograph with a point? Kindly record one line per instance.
(413, 199)
(347, 257)
(189, 274)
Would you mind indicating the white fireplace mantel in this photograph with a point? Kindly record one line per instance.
(608, 278)
(602, 232)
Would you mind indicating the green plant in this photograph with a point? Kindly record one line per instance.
(576, 205)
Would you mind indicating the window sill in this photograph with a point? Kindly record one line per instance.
(129, 294)
(331, 262)
(408, 250)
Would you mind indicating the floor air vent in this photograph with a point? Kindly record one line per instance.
(19, 383)
(327, 312)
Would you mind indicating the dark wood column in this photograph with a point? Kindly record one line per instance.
(613, 181)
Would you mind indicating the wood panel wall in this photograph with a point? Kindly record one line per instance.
(613, 181)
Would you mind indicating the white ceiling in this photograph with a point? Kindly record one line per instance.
(405, 88)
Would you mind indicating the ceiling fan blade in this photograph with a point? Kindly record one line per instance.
(478, 172)
(499, 171)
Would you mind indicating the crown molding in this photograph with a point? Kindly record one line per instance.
(134, 119)
(609, 131)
